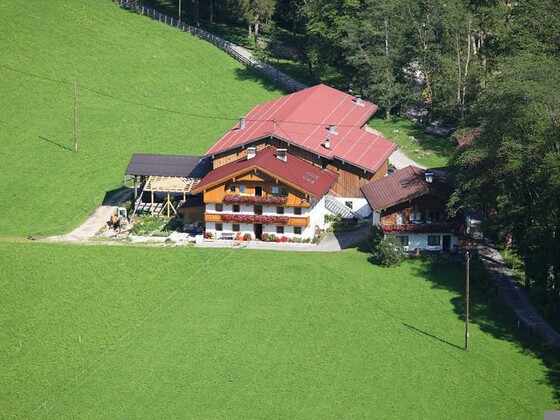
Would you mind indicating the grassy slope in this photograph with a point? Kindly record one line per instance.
(46, 187)
(207, 333)
(430, 151)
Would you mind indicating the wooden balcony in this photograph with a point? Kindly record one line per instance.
(291, 221)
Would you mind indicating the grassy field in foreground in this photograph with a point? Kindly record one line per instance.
(132, 61)
(431, 151)
(106, 332)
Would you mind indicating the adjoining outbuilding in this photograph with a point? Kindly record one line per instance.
(168, 181)
(410, 206)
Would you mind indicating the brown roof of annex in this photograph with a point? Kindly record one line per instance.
(405, 185)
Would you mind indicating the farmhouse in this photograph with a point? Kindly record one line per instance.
(279, 170)
(409, 205)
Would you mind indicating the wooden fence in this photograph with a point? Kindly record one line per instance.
(281, 79)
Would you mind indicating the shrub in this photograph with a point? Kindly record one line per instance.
(388, 253)
(247, 237)
(208, 235)
(377, 236)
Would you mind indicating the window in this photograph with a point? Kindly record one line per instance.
(349, 204)
(297, 230)
(434, 240)
(416, 217)
(235, 227)
(279, 229)
(399, 218)
(232, 188)
(279, 210)
(297, 210)
(242, 189)
(219, 207)
(219, 227)
(258, 209)
(403, 240)
(275, 190)
(284, 191)
(236, 208)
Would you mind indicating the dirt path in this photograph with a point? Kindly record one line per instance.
(511, 293)
(95, 221)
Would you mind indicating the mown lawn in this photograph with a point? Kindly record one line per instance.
(137, 64)
(105, 332)
(428, 150)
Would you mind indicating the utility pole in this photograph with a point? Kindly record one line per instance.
(179, 18)
(467, 284)
(75, 116)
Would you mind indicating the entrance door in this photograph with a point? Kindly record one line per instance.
(258, 231)
(258, 191)
(446, 243)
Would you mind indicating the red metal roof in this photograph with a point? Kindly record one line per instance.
(404, 185)
(303, 119)
(295, 172)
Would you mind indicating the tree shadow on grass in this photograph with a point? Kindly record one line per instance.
(247, 73)
(488, 311)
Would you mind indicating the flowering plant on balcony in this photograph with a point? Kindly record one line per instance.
(421, 228)
(254, 199)
(255, 218)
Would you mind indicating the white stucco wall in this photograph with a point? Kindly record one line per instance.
(420, 240)
(316, 214)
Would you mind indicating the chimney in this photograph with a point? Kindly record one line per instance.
(251, 152)
(241, 123)
(429, 177)
(358, 100)
(332, 129)
(282, 154)
(327, 143)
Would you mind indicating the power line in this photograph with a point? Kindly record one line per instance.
(172, 111)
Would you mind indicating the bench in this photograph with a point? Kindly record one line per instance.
(228, 236)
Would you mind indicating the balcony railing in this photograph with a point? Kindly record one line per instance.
(422, 228)
(257, 219)
(255, 199)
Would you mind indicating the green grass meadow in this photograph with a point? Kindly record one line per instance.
(186, 332)
(131, 60)
(163, 332)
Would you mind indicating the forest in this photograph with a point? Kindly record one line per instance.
(488, 67)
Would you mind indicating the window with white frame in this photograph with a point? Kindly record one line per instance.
(279, 210)
(219, 227)
(236, 208)
(434, 240)
(297, 230)
(219, 207)
(235, 227)
(297, 211)
(275, 190)
(279, 229)
(242, 189)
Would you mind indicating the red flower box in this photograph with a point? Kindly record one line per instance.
(254, 199)
(255, 218)
(421, 228)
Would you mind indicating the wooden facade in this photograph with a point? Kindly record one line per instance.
(429, 209)
(256, 184)
(350, 177)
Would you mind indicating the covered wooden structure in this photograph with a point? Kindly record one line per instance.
(173, 175)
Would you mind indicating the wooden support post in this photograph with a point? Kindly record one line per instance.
(135, 190)
(152, 205)
(467, 287)
(75, 116)
(168, 204)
